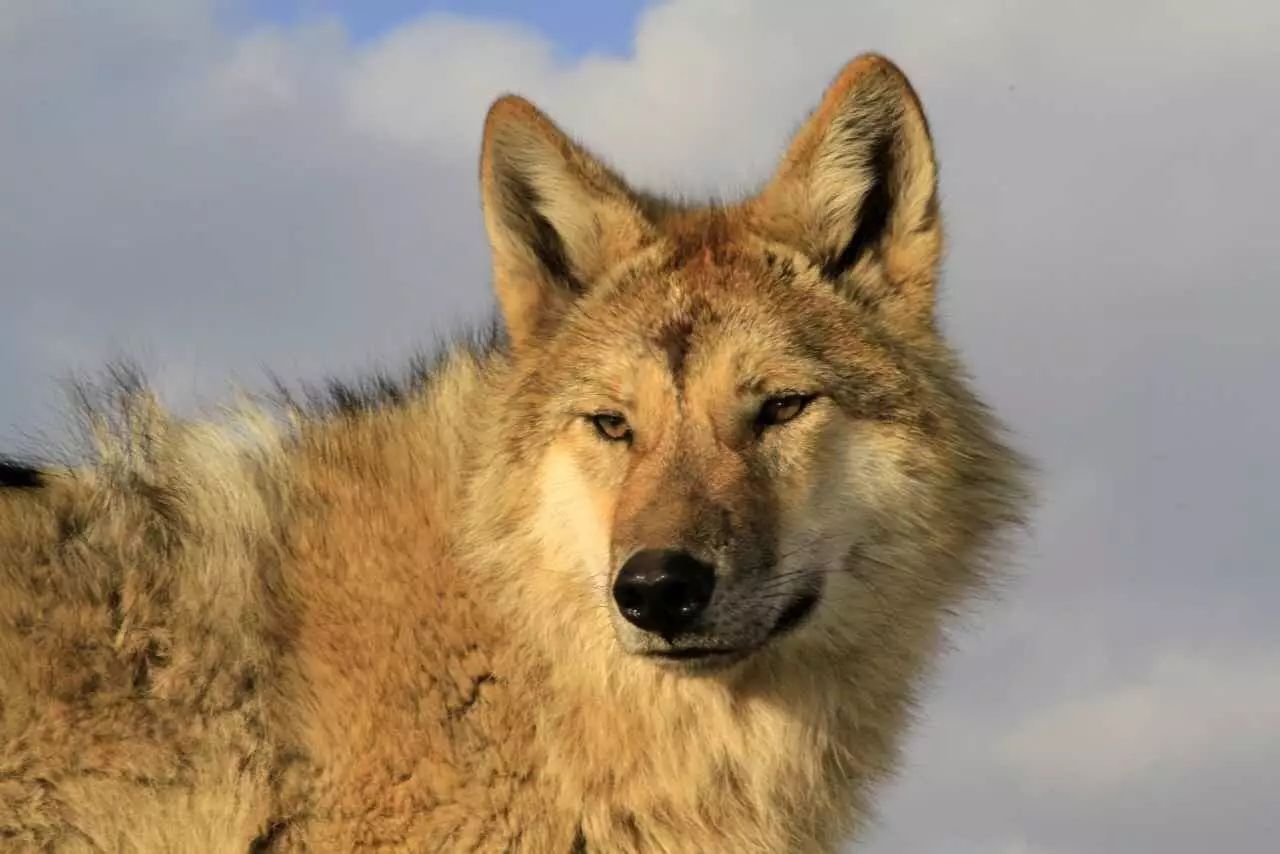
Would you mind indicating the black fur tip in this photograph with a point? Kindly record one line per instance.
(14, 475)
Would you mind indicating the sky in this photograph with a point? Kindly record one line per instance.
(573, 28)
(220, 187)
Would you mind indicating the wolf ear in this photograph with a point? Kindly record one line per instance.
(557, 218)
(857, 191)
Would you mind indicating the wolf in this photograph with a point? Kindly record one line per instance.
(660, 565)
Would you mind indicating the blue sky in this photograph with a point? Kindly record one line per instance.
(577, 27)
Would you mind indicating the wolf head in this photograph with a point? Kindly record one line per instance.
(741, 428)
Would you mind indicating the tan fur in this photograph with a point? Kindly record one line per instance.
(391, 627)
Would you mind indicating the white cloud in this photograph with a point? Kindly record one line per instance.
(220, 203)
(429, 83)
(1188, 707)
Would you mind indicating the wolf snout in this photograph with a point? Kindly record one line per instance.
(664, 591)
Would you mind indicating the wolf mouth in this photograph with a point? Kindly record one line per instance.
(795, 614)
(696, 653)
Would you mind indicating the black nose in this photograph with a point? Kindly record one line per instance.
(664, 591)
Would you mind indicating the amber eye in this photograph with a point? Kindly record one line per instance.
(781, 409)
(612, 426)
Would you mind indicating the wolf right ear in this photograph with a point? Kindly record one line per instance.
(557, 218)
(857, 191)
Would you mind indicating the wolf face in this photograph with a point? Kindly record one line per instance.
(710, 428)
(746, 431)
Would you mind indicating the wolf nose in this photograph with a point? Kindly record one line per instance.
(664, 591)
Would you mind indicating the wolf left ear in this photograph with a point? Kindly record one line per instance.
(857, 191)
(557, 218)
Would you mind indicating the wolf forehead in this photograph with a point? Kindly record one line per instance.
(701, 274)
(714, 251)
(713, 287)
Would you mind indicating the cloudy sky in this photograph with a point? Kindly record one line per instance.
(216, 188)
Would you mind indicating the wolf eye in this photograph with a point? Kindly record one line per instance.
(781, 409)
(611, 426)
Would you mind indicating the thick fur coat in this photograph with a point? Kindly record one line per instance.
(397, 622)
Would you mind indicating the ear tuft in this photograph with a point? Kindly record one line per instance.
(857, 190)
(557, 218)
